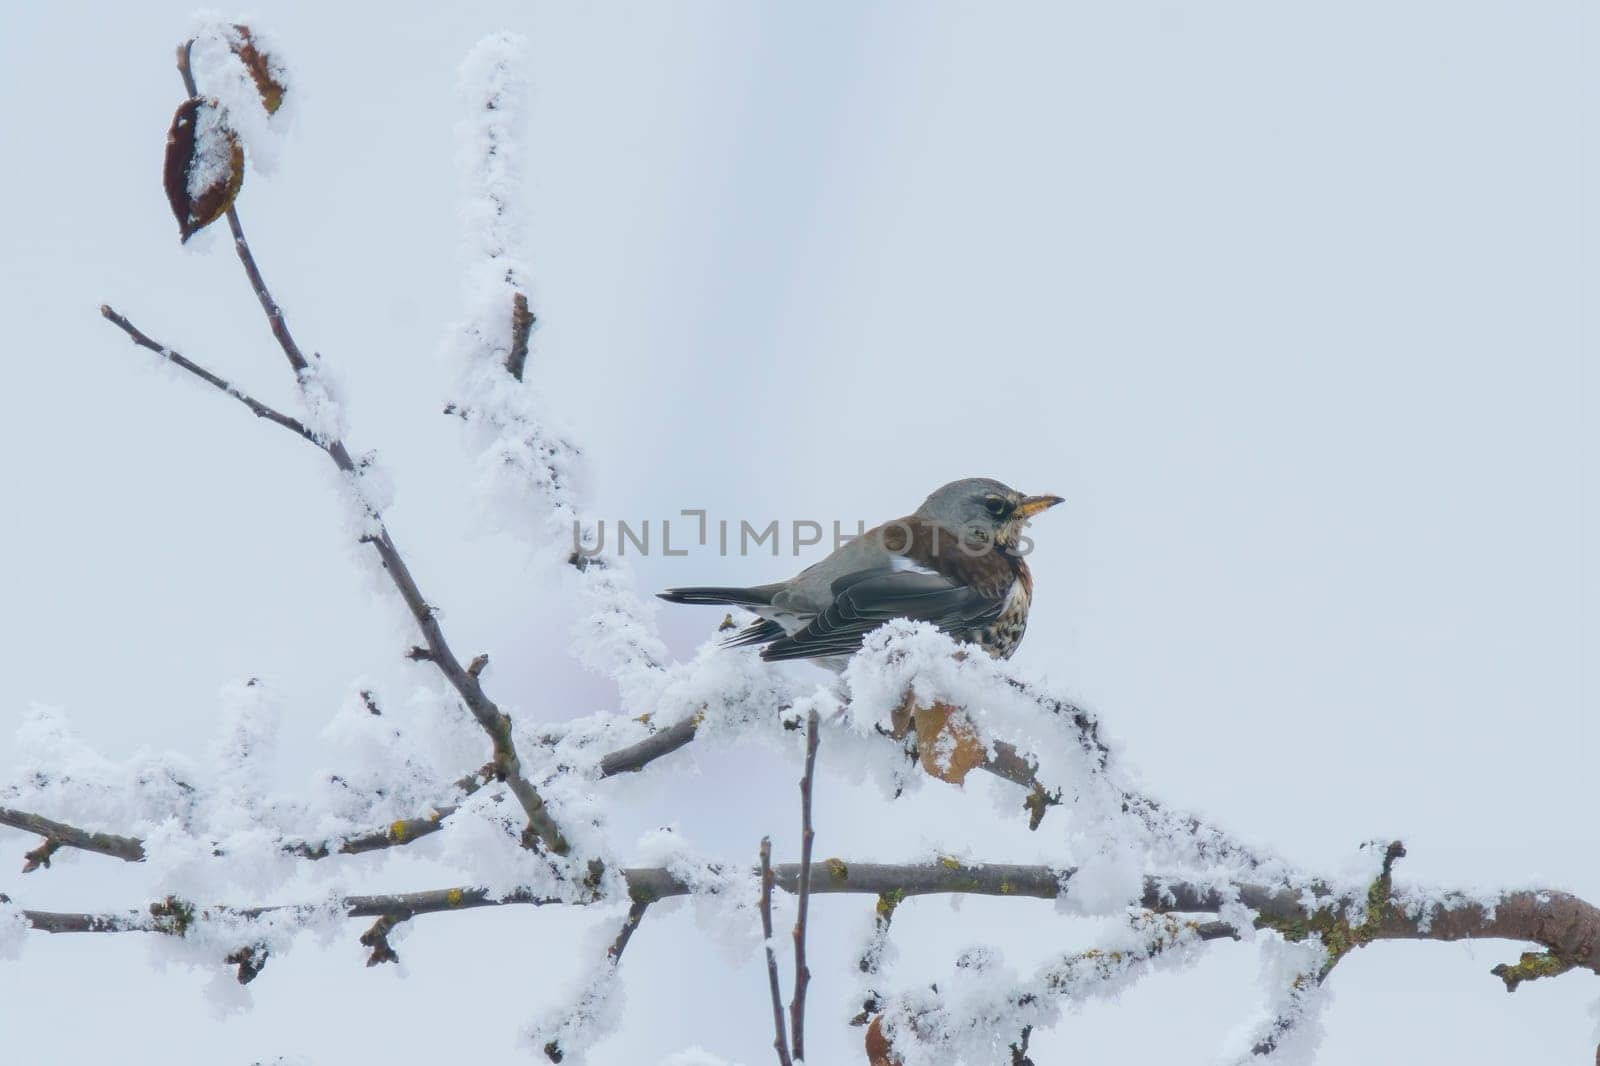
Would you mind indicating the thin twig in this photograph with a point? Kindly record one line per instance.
(184, 70)
(780, 1041)
(377, 939)
(395, 834)
(131, 849)
(802, 974)
(1337, 943)
(629, 924)
(62, 835)
(259, 409)
(629, 759)
(554, 1050)
(436, 650)
(637, 756)
(522, 320)
(1067, 976)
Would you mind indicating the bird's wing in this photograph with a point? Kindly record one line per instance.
(866, 599)
(761, 631)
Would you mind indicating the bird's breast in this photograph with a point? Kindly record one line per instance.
(1001, 637)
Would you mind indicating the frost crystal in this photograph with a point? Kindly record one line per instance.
(222, 76)
(581, 1019)
(1288, 1027)
(213, 153)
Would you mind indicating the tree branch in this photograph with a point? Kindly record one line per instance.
(131, 849)
(780, 1042)
(62, 835)
(395, 834)
(259, 409)
(802, 973)
(625, 934)
(541, 826)
(1564, 925)
(437, 650)
(377, 939)
(1008, 764)
(577, 1021)
(637, 756)
(629, 759)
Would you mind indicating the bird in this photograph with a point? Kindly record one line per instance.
(955, 562)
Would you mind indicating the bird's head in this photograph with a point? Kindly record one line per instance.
(984, 512)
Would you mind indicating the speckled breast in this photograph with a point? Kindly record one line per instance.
(1001, 637)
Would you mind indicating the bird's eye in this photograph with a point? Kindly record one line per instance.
(996, 505)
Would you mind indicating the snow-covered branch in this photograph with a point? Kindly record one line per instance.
(59, 835)
(912, 710)
(1565, 927)
(326, 431)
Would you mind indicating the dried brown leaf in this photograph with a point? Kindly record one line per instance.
(879, 1051)
(260, 65)
(188, 152)
(947, 745)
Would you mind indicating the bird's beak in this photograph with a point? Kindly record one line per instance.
(1029, 506)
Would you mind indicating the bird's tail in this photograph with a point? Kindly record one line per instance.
(756, 597)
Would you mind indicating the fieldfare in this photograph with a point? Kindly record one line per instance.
(955, 562)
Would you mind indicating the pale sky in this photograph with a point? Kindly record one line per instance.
(1287, 300)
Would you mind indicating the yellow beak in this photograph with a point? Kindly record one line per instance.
(1029, 506)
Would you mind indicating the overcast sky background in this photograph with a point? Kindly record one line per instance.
(1287, 300)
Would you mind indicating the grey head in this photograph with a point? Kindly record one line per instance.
(983, 511)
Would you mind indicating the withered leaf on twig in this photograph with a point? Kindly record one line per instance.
(880, 1052)
(204, 166)
(260, 66)
(947, 744)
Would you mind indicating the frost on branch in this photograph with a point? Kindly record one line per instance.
(58, 775)
(976, 1012)
(1289, 1026)
(593, 1008)
(241, 68)
(528, 467)
(1115, 834)
(724, 905)
(723, 896)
